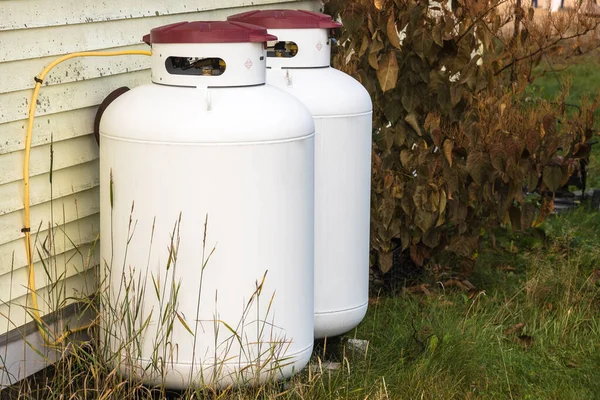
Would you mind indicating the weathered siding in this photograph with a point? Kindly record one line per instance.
(64, 212)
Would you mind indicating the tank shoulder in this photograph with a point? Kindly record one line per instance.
(206, 115)
(325, 91)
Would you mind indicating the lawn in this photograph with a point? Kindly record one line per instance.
(531, 329)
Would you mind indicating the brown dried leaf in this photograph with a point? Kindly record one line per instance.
(424, 220)
(423, 288)
(436, 135)
(533, 179)
(431, 238)
(432, 121)
(388, 180)
(385, 261)
(386, 211)
(498, 156)
(552, 177)
(398, 189)
(354, 17)
(456, 93)
(411, 120)
(405, 238)
(477, 166)
(418, 254)
(434, 200)
(363, 46)
(545, 211)
(387, 74)
(374, 48)
(533, 140)
(572, 364)
(548, 125)
(448, 146)
(454, 283)
(438, 35)
(422, 41)
(442, 209)
(468, 284)
(374, 60)
(517, 328)
(406, 158)
(392, 31)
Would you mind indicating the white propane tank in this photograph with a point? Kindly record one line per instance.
(207, 140)
(299, 62)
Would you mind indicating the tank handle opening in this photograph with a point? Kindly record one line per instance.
(195, 66)
(282, 49)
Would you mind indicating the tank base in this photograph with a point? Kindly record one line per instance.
(218, 376)
(335, 323)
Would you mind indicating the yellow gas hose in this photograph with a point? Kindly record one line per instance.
(27, 229)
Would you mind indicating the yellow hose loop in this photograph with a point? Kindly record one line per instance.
(35, 311)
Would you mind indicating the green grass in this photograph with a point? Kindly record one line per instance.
(584, 76)
(454, 345)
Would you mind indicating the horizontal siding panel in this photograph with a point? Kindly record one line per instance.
(55, 274)
(70, 96)
(75, 234)
(22, 72)
(65, 182)
(65, 209)
(57, 127)
(64, 39)
(65, 154)
(19, 14)
(16, 311)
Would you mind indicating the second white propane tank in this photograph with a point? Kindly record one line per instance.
(299, 62)
(207, 141)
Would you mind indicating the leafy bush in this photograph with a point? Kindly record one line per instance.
(458, 147)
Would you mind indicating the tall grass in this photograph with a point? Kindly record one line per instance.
(133, 344)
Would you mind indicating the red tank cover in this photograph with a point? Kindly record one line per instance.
(208, 32)
(286, 19)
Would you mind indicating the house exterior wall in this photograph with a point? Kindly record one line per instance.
(64, 156)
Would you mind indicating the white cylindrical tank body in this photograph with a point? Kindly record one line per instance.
(299, 63)
(207, 187)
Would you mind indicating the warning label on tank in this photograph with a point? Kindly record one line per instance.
(319, 46)
(248, 63)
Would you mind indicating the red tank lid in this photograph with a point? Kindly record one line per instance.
(286, 19)
(208, 32)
